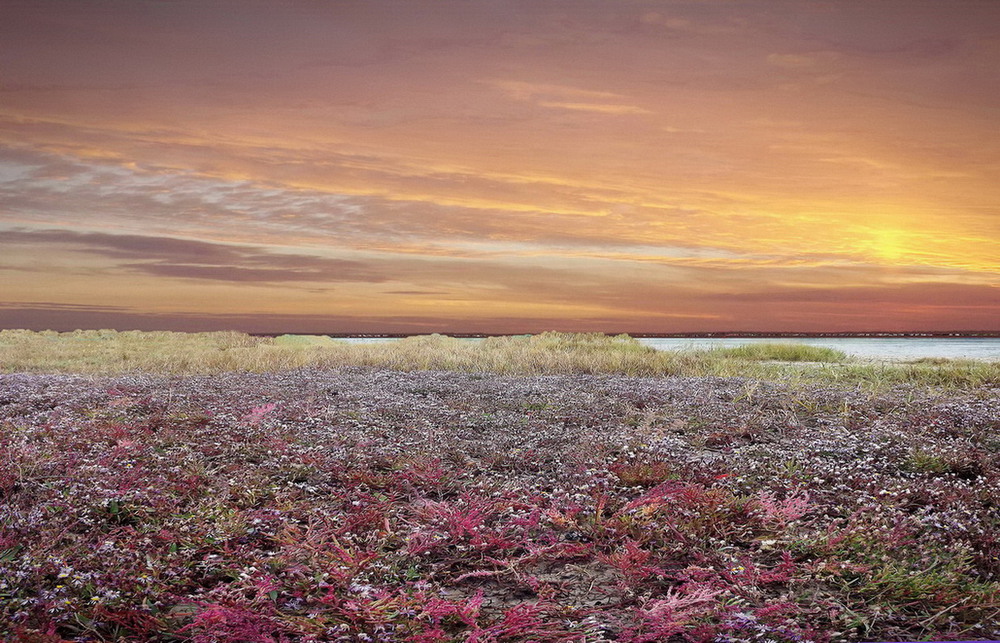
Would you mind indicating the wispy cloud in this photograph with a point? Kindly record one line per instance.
(791, 61)
(585, 161)
(601, 108)
(570, 98)
(193, 259)
(699, 23)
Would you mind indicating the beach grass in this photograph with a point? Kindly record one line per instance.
(108, 352)
(781, 352)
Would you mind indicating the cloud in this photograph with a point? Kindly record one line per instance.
(523, 90)
(791, 61)
(881, 296)
(567, 97)
(416, 292)
(41, 317)
(498, 157)
(706, 25)
(420, 207)
(601, 108)
(191, 259)
(62, 306)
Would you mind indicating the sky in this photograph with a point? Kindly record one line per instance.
(500, 166)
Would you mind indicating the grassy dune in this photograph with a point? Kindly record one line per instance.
(110, 352)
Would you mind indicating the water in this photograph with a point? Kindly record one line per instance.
(890, 348)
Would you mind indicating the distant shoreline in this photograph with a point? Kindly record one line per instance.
(712, 335)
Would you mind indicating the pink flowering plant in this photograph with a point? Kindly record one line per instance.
(369, 505)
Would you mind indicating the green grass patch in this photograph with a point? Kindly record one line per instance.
(781, 352)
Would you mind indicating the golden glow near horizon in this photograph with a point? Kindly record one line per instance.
(514, 166)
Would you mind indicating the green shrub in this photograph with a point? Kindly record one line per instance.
(923, 461)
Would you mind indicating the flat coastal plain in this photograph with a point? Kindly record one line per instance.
(362, 504)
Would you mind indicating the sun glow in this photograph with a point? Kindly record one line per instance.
(888, 244)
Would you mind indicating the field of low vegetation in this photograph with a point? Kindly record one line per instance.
(222, 488)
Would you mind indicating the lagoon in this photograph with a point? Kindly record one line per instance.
(878, 348)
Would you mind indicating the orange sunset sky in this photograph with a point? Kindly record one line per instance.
(500, 165)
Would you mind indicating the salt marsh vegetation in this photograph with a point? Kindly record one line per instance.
(409, 493)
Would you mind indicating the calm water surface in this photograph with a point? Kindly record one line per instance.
(895, 348)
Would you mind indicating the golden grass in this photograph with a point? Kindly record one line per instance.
(109, 352)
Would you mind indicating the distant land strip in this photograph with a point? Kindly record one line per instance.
(705, 335)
